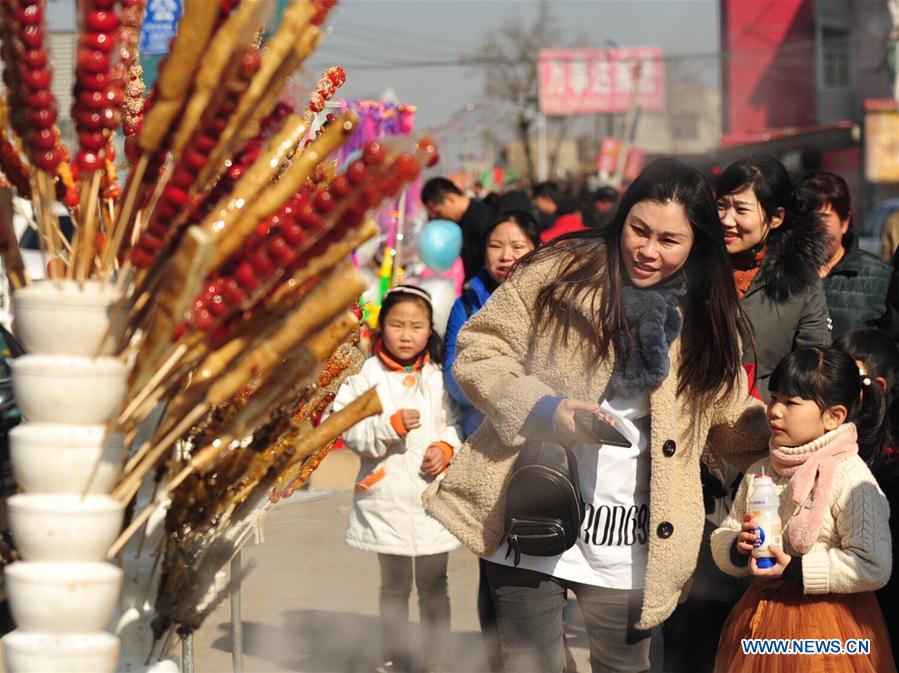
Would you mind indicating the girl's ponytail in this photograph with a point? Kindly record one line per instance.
(870, 418)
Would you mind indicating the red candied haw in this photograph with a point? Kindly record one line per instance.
(183, 177)
(71, 198)
(174, 195)
(91, 60)
(308, 218)
(246, 277)
(294, 234)
(203, 142)
(96, 81)
(89, 120)
(390, 186)
(132, 149)
(102, 4)
(165, 210)
(249, 64)
(158, 227)
(110, 152)
(203, 320)
(43, 139)
(142, 258)
(406, 168)
(324, 202)
(88, 161)
(36, 79)
(92, 100)
(374, 154)
(235, 172)
(217, 306)
(228, 106)
(352, 217)
(369, 197)
(100, 21)
(282, 253)
(194, 160)
(356, 172)
(340, 187)
(150, 242)
(232, 293)
(111, 118)
(48, 160)
(35, 58)
(357, 311)
(42, 119)
(113, 95)
(40, 98)
(32, 36)
(215, 127)
(30, 15)
(99, 41)
(261, 263)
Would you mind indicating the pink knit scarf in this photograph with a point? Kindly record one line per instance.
(810, 469)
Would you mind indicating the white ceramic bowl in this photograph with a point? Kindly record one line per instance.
(56, 458)
(36, 652)
(62, 597)
(49, 527)
(69, 389)
(65, 316)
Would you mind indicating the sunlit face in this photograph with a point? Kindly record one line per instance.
(835, 227)
(795, 421)
(655, 242)
(406, 329)
(743, 220)
(506, 244)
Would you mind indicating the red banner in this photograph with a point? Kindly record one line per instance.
(578, 81)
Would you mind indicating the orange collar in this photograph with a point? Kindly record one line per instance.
(388, 360)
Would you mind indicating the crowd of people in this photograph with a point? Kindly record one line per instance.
(726, 331)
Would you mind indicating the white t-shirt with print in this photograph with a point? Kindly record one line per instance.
(612, 547)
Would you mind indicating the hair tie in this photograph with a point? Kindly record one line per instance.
(866, 381)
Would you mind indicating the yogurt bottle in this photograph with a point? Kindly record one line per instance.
(764, 505)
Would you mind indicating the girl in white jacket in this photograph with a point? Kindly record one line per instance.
(404, 449)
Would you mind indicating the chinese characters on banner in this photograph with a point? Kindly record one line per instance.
(578, 81)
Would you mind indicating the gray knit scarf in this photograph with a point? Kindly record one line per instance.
(654, 322)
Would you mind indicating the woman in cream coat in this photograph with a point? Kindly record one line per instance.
(643, 318)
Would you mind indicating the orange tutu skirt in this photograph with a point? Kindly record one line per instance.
(780, 610)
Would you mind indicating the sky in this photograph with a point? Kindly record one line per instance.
(378, 40)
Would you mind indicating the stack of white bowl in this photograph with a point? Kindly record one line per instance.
(63, 594)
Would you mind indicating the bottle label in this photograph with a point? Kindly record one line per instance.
(767, 532)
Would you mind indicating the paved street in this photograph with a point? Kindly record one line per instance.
(310, 604)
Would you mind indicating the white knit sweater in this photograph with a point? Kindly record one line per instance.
(852, 553)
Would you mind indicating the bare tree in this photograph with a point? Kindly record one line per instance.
(510, 57)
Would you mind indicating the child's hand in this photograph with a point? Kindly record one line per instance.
(411, 418)
(434, 462)
(781, 561)
(747, 537)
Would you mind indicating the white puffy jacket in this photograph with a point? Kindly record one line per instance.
(388, 516)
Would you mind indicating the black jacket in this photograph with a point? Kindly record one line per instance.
(856, 289)
(785, 302)
(474, 227)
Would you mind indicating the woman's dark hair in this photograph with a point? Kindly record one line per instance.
(525, 221)
(768, 179)
(821, 189)
(878, 352)
(590, 266)
(412, 293)
(830, 377)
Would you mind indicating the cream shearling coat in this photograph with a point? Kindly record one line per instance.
(506, 363)
(853, 552)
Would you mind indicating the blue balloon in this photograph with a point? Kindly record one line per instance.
(439, 244)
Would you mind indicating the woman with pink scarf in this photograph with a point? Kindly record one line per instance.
(836, 536)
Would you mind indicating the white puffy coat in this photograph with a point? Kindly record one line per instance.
(388, 516)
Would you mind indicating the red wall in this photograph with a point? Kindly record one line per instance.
(768, 47)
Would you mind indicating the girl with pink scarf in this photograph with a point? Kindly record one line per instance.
(836, 535)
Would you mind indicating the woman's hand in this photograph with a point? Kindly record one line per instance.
(411, 418)
(747, 537)
(434, 461)
(781, 561)
(566, 428)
